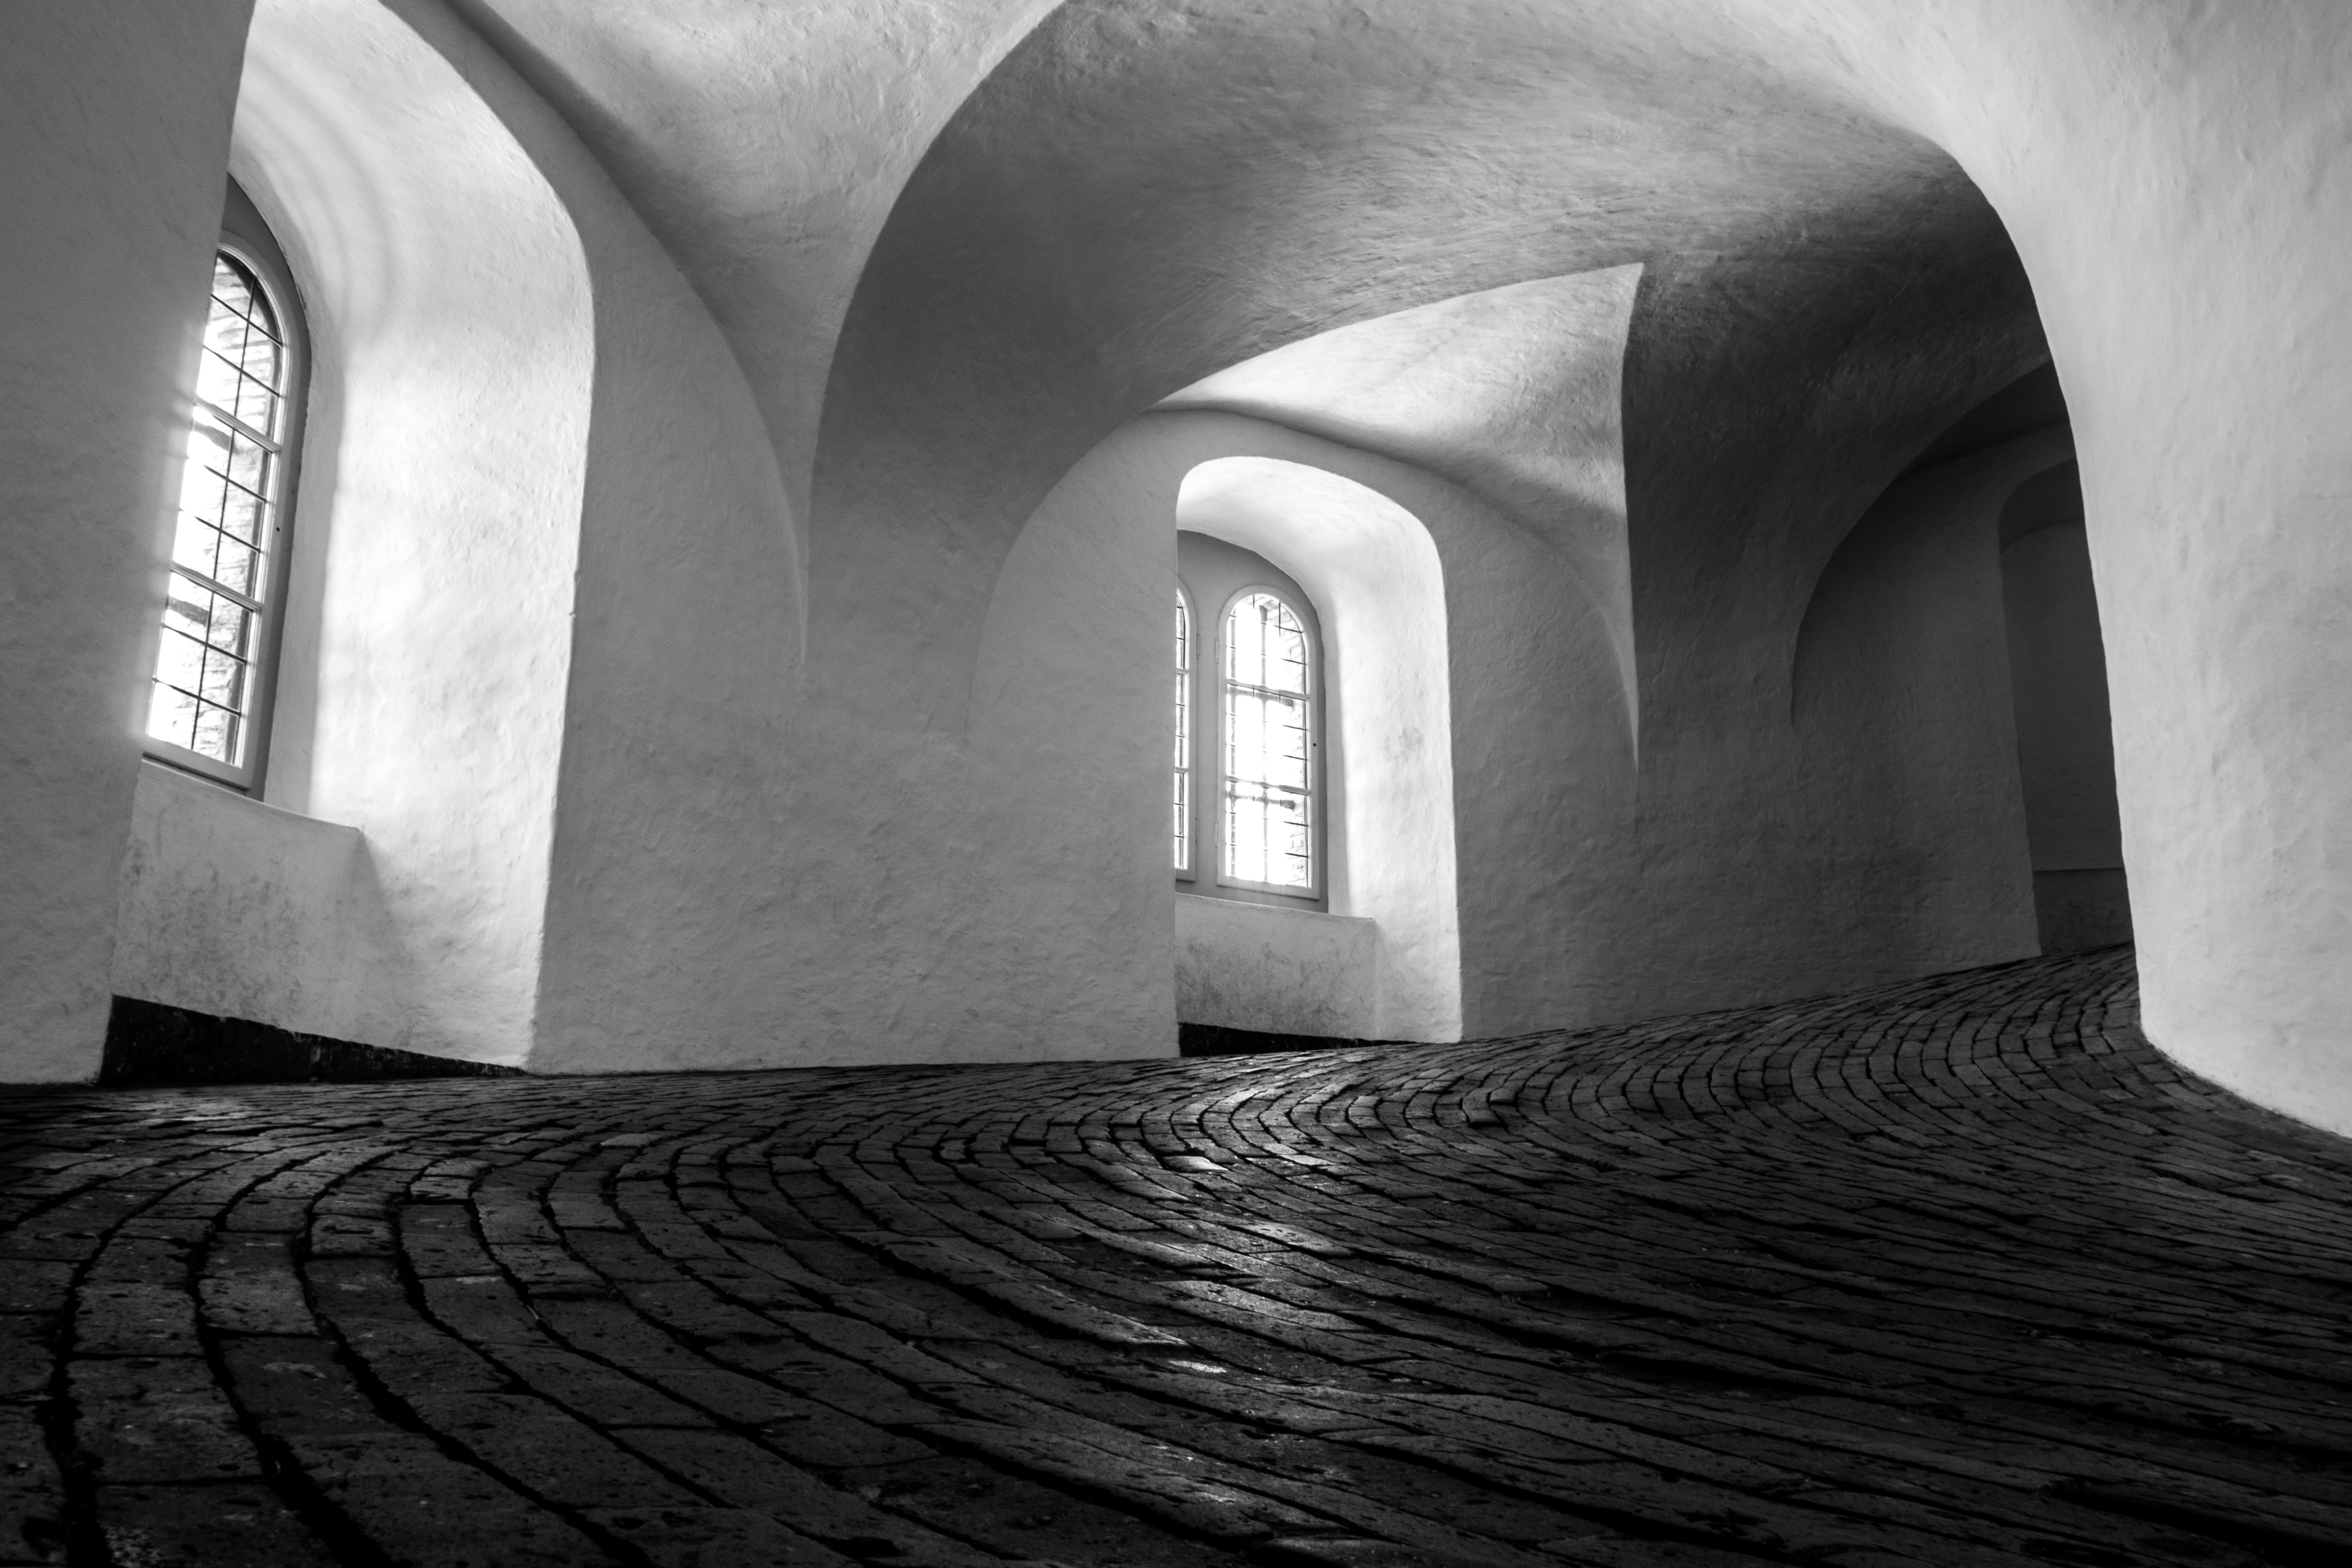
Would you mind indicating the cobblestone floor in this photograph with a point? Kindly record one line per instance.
(1955, 1272)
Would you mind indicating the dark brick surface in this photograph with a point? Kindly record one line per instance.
(1955, 1272)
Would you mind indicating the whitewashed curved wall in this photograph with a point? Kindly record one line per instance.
(684, 646)
(114, 125)
(2179, 188)
(2173, 176)
(437, 532)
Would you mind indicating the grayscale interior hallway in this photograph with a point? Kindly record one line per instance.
(1956, 1271)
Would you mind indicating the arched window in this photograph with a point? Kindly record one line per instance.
(1183, 736)
(1268, 783)
(1249, 761)
(208, 706)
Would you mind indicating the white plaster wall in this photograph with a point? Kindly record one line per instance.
(1374, 573)
(685, 650)
(556, 888)
(2178, 184)
(114, 124)
(1290, 971)
(1909, 821)
(1068, 731)
(765, 144)
(2172, 175)
(436, 537)
(241, 910)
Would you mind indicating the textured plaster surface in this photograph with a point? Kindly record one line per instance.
(764, 144)
(930, 888)
(437, 534)
(106, 300)
(1093, 231)
(954, 246)
(684, 643)
(1285, 972)
(1901, 712)
(241, 910)
(2065, 746)
(2174, 177)
(1137, 196)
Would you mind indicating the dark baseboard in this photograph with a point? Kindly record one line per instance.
(1215, 1040)
(149, 1045)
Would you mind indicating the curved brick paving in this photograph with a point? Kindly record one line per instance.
(1959, 1271)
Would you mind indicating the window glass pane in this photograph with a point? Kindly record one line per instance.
(248, 462)
(226, 329)
(1267, 838)
(171, 715)
(180, 662)
(238, 568)
(262, 354)
(200, 481)
(257, 404)
(195, 545)
(1269, 825)
(216, 732)
(227, 624)
(223, 680)
(1183, 822)
(243, 367)
(241, 514)
(1183, 725)
(217, 380)
(201, 671)
(264, 315)
(232, 295)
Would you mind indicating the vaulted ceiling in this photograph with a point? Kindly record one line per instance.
(985, 233)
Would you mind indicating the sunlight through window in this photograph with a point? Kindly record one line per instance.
(1268, 781)
(229, 486)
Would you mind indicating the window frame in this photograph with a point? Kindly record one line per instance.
(1315, 890)
(1188, 740)
(246, 239)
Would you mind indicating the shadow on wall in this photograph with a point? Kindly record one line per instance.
(1975, 561)
(2065, 741)
(1900, 704)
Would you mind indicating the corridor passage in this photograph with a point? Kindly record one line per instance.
(1959, 1271)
